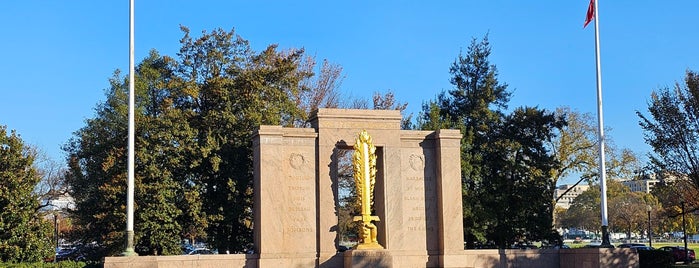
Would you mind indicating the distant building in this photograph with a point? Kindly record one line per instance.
(642, 185)
(566, 200)
(63, 202)
(646, 183)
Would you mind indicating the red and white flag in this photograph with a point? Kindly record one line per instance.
(590, 13)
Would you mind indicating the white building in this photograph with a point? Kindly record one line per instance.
(62, 202)
(643, 185)
(566, 200)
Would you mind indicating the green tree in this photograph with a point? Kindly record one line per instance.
(577, 148)
(585, 211)
(160, 149)
(97, 155)
(627, 212)
(24, 235)
(475, 106)
(672, 129)
(576, 145)
(518, 189)
(506, 165)
(97, 175)
(231, 90)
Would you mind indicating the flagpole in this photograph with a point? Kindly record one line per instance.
(129, 251)
(600, 132)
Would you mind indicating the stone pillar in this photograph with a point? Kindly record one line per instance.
(285, 201)
(449, 197)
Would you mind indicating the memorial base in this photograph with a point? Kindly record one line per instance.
(368, 246)
(380, 258)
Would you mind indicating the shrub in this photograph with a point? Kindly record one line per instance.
(61, 264)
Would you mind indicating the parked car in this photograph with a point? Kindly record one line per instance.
(201, 251)
(523, 245)
(628, 245)
(678, 253)
(640, 248)
(597, 245)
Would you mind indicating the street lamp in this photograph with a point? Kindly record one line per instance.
(684, 231)
(650, 232)
(55, 233)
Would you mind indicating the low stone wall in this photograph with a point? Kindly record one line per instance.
(483, 258)
(544, 258)
(599, 257)
(184, 261)
(503, 258)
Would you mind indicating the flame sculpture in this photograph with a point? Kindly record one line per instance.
(364, 164)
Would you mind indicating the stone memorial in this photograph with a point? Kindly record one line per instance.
(409, 182)
(417, 193)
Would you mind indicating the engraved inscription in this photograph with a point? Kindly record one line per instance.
(419, 197)
(299, 229)
(299, 192)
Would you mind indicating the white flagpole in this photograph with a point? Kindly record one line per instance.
(130, 180)
(600, 131)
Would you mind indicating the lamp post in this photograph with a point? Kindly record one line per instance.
(55, 233)
(684, 232)
(650, 231)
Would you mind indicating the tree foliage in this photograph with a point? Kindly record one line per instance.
(576, 145)
(627, 211)
(24, 235)
(577, 148)
(195, 115)
(520, 169)
(672, 129)
(671, 194)
(506, 165)
(585, 210)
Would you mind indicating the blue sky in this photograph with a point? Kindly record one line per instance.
(57, 56)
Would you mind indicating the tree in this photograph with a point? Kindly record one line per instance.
(323, 88)
(231, 90)
(506, 165)
(577, 147)
(626, 209)
(24, 235)
(475, 107)
(576, 144)
(671, 193)
(672, 129)
(628, 212)
(388, 101)
(161, 148)
(519, 168)
(97, 176)
(52, 184)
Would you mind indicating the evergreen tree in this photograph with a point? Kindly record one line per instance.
(97, 176)
(475, 106)
(519, 186)
(97, 158)
(161, 150)
(231, 91)
(24, 235)
(506, 166)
